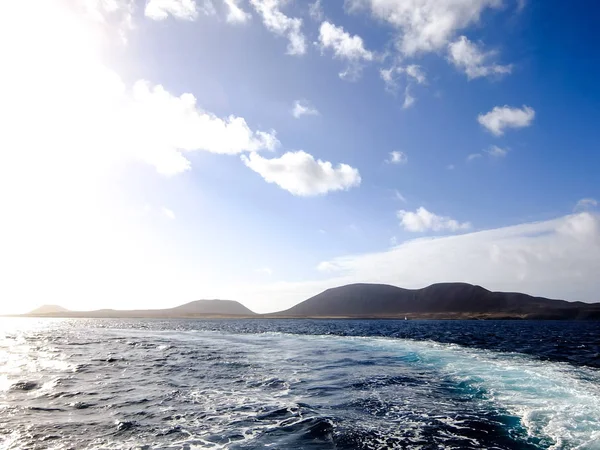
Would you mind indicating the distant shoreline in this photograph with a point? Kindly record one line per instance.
(409, 317)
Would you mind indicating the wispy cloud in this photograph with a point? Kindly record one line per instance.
(585, 204)
(235, 13)
(469, 58)
(303, 108)
(280, 24)
(168, 213)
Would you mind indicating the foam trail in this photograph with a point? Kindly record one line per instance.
(557, 403)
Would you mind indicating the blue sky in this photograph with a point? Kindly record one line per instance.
(162, 151)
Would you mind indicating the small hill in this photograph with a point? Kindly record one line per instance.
(198, 308)
(223, 307)
(48, 309)
(442, 300)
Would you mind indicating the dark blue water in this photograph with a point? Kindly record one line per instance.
(282, 384)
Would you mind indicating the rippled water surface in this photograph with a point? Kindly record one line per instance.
(185, 384)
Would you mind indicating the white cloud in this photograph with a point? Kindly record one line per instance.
(235, 14)
(422, 220)
(496, 152)
(467, 56)
(427, 25)
(450, 167)
(558, 258)
(168, 213)
(586, 203)
(344, 46)
(315, 10)
(303, 108)
(180, 9)
(502, 117)
(397, 157)
(282, 25)
(302, 175)
(161, 126)
(474, 156)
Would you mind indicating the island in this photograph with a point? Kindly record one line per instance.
(371, 301)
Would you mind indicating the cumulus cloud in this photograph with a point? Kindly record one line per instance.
(303, 108)
(474, 156)
(427, 25)
(397, 157)
(300, 174)
(180, 9)
(422, 220)
(502, 117)
(282, 25)
(160, 126)
(469, 58)
(235, 14)
(344, 45)
(586, 203)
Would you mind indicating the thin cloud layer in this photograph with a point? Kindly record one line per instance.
(300, 174)
(558, 258)
(586, 203)
(502, 117)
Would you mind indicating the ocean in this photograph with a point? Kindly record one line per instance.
(298, 384)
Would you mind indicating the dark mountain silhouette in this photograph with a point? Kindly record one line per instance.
(442, 300)
(438, 301)
(198, 308)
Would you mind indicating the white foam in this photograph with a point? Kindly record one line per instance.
(556, 402)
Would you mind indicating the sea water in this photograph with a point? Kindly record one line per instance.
(298, 384)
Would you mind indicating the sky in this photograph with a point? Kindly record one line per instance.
(162, 151)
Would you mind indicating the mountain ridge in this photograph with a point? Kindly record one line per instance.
(367, 300)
